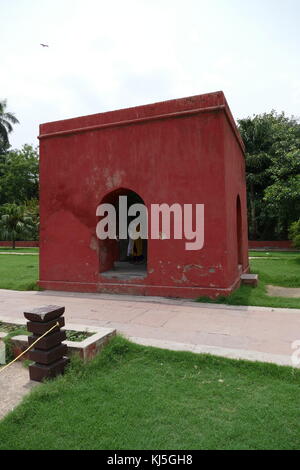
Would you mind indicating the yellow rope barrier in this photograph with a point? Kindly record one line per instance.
(30, 347)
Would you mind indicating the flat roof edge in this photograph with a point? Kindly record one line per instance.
(156, 111)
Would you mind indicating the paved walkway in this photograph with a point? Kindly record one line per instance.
(14, 385)
(255, 333)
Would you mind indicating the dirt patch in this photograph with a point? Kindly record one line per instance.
(276, 291)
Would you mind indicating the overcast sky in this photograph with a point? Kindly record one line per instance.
(111, 54)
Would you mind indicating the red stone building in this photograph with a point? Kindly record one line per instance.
(185, 151)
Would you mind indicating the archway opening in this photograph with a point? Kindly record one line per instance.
(123, 258)
(239, 231)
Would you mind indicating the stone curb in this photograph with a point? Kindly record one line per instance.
(244, 354)
(86, 349)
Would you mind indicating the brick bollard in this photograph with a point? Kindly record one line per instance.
(49, 352)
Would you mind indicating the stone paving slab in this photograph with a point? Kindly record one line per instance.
(276, 291)
(260, 331)
(14, 385)
(217, 351)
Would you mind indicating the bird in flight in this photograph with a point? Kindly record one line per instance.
(44, 45)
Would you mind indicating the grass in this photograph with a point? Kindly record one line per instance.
(77, 335)
(12, 329)
(280, 269)
(19, 272)
(134, 397)
(273, 254)
(19, 249)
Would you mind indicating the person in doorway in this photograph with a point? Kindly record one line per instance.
(135, 249)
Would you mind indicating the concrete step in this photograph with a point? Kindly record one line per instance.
(249, 280)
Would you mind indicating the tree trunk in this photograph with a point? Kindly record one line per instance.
(14, 244)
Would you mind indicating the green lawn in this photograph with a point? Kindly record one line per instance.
(19, 272)
(19, 250)
(134, 397)
(279, 269)
(273, 254)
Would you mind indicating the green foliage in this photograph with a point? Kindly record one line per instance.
(32, 210)
(283, 199)
(7, 119)
(15, 223)
(12, 328)
(19, 176)
(77, 335)
(9, 356)
(294, 233)
(272, 144)
(19, 181)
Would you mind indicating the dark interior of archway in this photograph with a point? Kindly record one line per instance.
(124, 266)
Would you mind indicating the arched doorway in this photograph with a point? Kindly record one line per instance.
(239, 231)
(122, 258)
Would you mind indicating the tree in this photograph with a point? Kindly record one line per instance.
(14, 223)
(272, 144)
(7, 119)
(282, 197)
(19, 176)
(32, 210)
(257, 136)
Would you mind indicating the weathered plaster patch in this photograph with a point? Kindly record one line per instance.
(94, 245)
(181, 280)
(188, 267)
(113, 180)
(196, 269)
